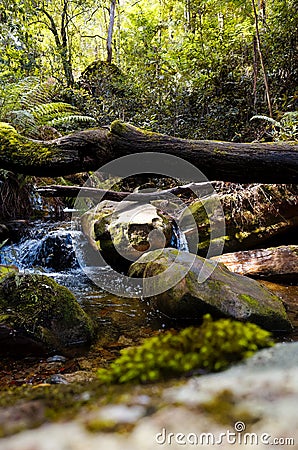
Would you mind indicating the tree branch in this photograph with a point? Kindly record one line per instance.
(103, 194)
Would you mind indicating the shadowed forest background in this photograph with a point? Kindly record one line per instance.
(191, 68)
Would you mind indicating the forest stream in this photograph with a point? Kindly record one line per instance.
(47, 248)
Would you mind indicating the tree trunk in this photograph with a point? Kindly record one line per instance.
(57, 190)
(110, 31)
(278, 263)
(275, 162)
(258, 37)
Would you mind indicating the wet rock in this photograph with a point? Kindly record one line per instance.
(57, 379)
(37, 314)
(223, 293)
(7, 270)
(123, 232)
(56, 359)
(53, 251)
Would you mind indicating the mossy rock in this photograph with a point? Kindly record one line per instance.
(209, 348)
(223, 293)
(123, 232)
(37, 314)
(101, 78)
(6, 271)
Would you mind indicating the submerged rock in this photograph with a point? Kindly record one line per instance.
(39, 315)
(124, 231)
(223, 293)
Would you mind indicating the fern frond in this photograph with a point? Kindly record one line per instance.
(21, 119)
(290, 118)
(39, 93)
(73, 119)
(11, 94)
(268, 119)
(45, 112)
(29, 106)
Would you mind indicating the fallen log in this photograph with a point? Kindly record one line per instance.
(275, 162)
(253, 214)
(57, 190)
(271, 263)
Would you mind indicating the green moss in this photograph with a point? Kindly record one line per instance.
(7, 271)
(224, 409)
(218, 151)
(118, 127)
(43, 310)
(250, 300)
(211, 347)
(108, 426)
(20, 149)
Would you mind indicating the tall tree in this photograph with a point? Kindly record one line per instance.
(258, 40)
(110, 31)
(59, 27)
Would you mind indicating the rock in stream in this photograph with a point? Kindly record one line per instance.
(223, 293)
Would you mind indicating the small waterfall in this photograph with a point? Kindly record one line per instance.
(179, 240)
(45, 247)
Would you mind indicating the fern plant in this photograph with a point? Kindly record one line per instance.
(286, 129)
(30, 107)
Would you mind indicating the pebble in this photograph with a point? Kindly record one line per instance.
(57, 379)
(56, 358)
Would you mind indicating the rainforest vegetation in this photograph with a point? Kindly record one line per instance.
(191, 68)
(83, 83)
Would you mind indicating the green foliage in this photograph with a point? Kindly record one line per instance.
(286, 129)
(187, 68)
(31, 107)
(211, 347)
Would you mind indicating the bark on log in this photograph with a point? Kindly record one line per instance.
(254, 214)
(278, 263)
(57, 190)
(89, 150)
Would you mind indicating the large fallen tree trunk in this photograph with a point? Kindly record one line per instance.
(89, 150)
(273, 263)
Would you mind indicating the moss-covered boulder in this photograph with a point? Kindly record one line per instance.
(37, 314)
(250, 213)
(103, 79)
(7, 270)
(223, 293)
(209, 348)
(123, 232)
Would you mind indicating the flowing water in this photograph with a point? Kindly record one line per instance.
(47, 248)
